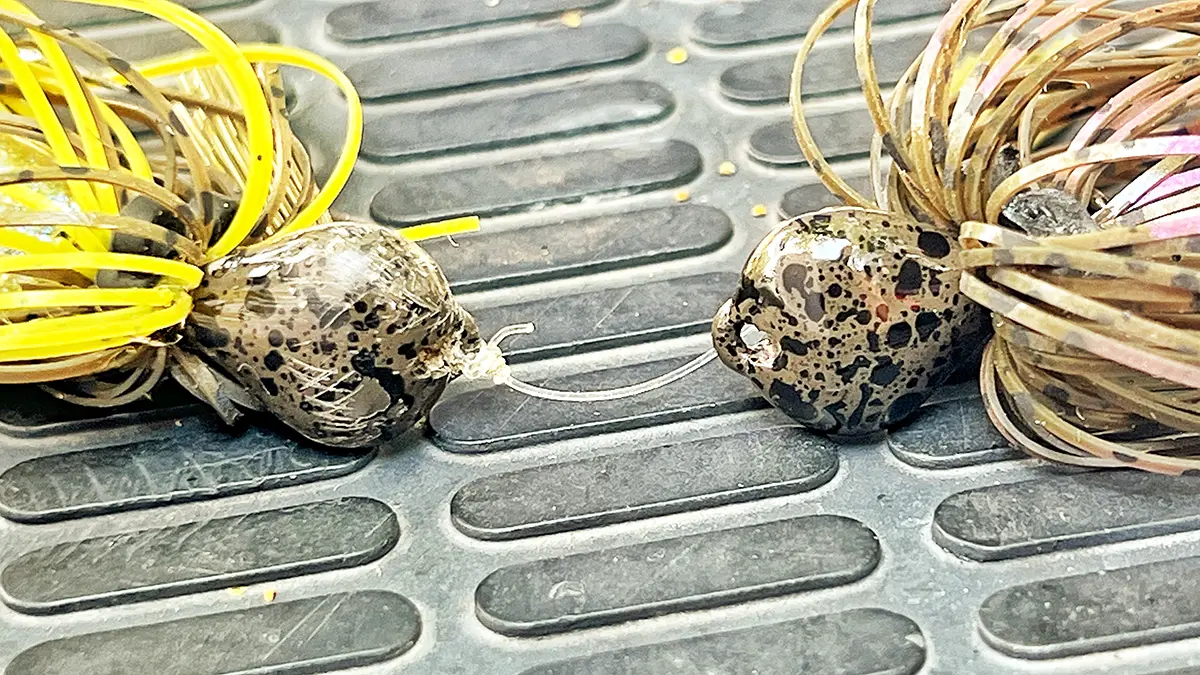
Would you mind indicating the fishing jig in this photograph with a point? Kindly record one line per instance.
(203, 249)
(1054, 185)
(174, 226)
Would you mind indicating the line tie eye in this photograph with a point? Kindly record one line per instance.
(751, 336)
(759, 348)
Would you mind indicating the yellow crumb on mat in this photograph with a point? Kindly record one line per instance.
(683, 196)
(758, 210)
(237, 591)
(572, 19)
(269, 595)
(727, 168)
(677, 56)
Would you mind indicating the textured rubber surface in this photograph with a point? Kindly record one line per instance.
(686, 531)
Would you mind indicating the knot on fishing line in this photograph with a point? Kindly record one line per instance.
(489, 361)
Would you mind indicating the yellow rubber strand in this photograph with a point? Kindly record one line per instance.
(132, 149)
(280, 55)
(259, 131)
(88, 297)
(39, 108)
(443, 228)
(43, 112)
(60, 350)
(98, 330)
(77, 103)
(27, 243)
(187, 276)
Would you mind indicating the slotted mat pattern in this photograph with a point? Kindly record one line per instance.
(686, 531)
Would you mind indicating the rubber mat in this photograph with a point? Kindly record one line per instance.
(625, 156)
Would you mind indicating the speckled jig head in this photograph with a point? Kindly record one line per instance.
(1050, 178)
(345, 331)
(847, 318)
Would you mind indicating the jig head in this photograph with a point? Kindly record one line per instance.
(846, 319)
(347, 332)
